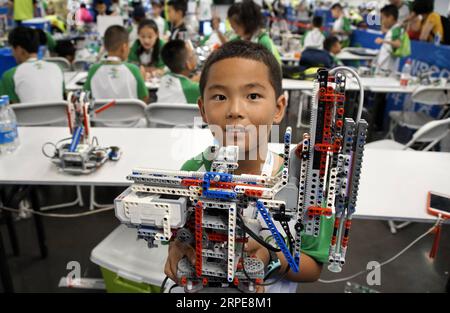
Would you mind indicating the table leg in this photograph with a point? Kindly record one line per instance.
(9, 219)
(38, 222)
(5, 274)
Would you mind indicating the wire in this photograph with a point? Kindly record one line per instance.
(385, 262)
(163, 284)
(279, 278)
(256, 237)
(55, 145)
(173, 286)
(57, 215)
(361, 87)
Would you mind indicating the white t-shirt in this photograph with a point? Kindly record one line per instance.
(403, 13)
(314, 39)
(113, 79)
(385, 61)
(161, 23)
(34, 81)
(204, 10)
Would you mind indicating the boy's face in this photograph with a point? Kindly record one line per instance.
(336, 48)
(123, 51)
(238, 95)
(101, 8)
(19, 54)
(336, 13)
(387, 21)
(156, 10)
(173, 15)
(237, 28)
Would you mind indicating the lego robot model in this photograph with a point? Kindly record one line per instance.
(216, 211)
(78, 154)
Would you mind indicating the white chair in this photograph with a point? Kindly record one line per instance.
(124, 113)
(432, 133)
(62, 62)
(41, 113)
(172, 114)
(81, 65)
(429, 95)
(46, 114)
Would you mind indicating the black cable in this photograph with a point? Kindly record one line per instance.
(170, 289)
(256, 237)
(163, 284)
(243, 263)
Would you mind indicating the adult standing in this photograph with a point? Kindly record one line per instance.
(22, 10)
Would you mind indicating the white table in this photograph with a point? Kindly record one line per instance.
(394, 184)
(347, 55)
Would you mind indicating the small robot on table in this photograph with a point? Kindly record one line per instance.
(216, 212)
(79, 154)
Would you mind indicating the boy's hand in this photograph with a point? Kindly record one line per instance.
(253, 248)
(177, 250)
(379, 41)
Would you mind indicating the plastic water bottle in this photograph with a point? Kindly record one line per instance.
(9, 139)
(437, 39)
(406, 73)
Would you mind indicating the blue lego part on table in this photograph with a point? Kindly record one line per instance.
(276, 235)
(75, 138)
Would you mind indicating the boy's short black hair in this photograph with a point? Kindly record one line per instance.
(390, 10)
(65, 48)
(422, 6)
(139, 12)
(115, 36)
(245, 50)
(101, 2)
(317, 21)
(329, 42)
(26, 38)
(178, 5)
(248, 14)
(174, 54)
(337, 5)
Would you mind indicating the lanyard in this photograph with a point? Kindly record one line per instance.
(113, 59)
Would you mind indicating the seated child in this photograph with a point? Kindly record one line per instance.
(114, 78)
(146, 50)
(333, 46)
(175, 14)
(175, 86)
(314, 38)
(241, 88)
(32, 80)
(101, 9)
